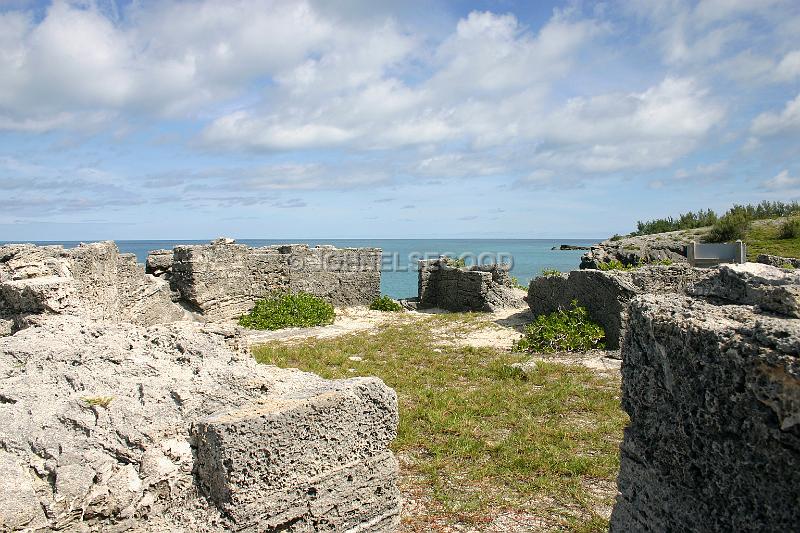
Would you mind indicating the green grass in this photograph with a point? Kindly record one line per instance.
(481, 436)
(765, 238)
(386, 303)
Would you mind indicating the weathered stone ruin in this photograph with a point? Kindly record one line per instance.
(606, 294)
(223, 280)
(473, 288)
(110, 421)
(712, 387)
(93, 281)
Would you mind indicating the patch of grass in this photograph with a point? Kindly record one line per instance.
(98, 401)
(385, 303)
(456, 262)
(568, 330)
(788, 266)
(765, 238)
(616, 264)
(289, 310)
(616, 237)
(476, 438)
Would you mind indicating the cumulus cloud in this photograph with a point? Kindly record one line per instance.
(771, 123)
(781, 182)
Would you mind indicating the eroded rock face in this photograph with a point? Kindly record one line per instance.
(778, 261)
(767, 287)
(93, 281)
(713, 392)
(475, 288)
(171, 428)
(640, 249)
(223, 280)
(605, 294)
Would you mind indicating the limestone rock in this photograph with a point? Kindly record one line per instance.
(94, 281)
(778, 261)
(640, 249)
(713, 393)
(768, 287)
(159, 263)
(107, 426)
(475, 288)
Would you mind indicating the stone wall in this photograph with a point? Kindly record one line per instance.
(605, 294)
(223, 280)
(712, 388)
(94, 281)
(475, 288)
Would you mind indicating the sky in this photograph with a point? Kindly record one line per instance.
(380, 119)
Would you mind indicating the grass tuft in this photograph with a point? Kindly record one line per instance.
(385, 303)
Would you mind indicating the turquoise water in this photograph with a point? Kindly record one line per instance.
(399, 276)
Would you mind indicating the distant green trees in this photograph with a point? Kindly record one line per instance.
(736, 218)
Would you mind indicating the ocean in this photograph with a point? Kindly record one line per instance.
(399, 276)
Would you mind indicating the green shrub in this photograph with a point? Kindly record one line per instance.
(289, 310)
(515, 282)
(616, 237)
(730, 227)
(385, 303)
(562, 331)
(456, 262)
(788, 266)
(790, 229)
(616, 264)
(550, 273)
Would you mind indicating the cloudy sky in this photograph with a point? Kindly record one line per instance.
(276, 119)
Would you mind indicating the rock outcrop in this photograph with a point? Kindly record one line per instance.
(93, 281)
(474, 288)
(713, 393)
(640, 250)
(223, 280)
(778, 261)
(606, 294)
(114, 427)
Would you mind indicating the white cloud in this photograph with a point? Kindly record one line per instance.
(782, 181)
(789, 67)
(771, 123)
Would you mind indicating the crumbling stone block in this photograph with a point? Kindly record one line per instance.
(713, 393)
(474, 288)
(778, 261)
(341, 473)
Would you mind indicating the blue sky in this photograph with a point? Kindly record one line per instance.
(262, 119)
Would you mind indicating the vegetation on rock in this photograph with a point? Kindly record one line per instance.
(550, 273)
(289, 310)
(385, 303)
(790, 228)
(730, 227)
(568, 330)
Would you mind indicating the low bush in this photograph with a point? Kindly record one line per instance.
(289, 310)
(385, 303)
(456, 262)
(730, 227)
(616, 264)
(790, 229)
(516, 283)
(550, 273)
(562, 331)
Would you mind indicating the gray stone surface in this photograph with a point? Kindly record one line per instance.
(223, 280)
(93, 280)
(605, 294)
(778, 261)
(713, 393)
(641, 249)
(159, 263)
(770, 288)
(474, 288)
(107, 426)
